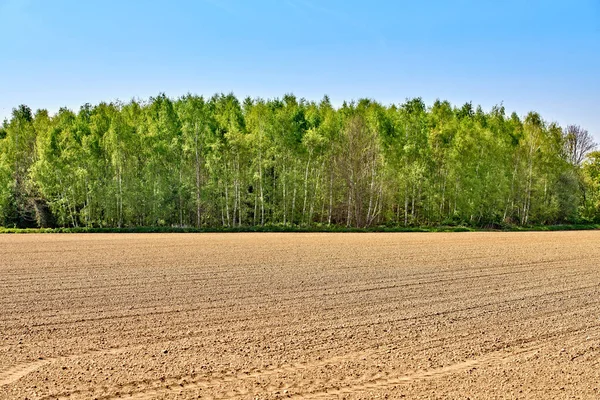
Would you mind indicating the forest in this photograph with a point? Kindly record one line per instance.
(218, 162)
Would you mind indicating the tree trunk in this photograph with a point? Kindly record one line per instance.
(306, 188)
(330, 198)
(198, 194)
(293, 211)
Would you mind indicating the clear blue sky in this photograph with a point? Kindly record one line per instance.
(529, 54)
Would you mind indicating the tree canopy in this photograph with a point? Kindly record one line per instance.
(210, 162)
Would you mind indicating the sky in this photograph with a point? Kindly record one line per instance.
(529, 55)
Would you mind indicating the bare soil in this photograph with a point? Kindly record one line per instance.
(356, 316)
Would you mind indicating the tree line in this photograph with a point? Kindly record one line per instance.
(219, 162)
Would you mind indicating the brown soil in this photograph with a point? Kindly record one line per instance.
(360, 316)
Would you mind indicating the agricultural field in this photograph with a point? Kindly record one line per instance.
(266, 316)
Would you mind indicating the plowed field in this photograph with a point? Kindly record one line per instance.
(181, 316)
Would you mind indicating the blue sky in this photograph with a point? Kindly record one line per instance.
(530, 55)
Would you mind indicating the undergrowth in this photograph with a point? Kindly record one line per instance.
(313, 228)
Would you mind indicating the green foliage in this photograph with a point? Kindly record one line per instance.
(195, 164)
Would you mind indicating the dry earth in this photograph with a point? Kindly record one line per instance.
(359, 316)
